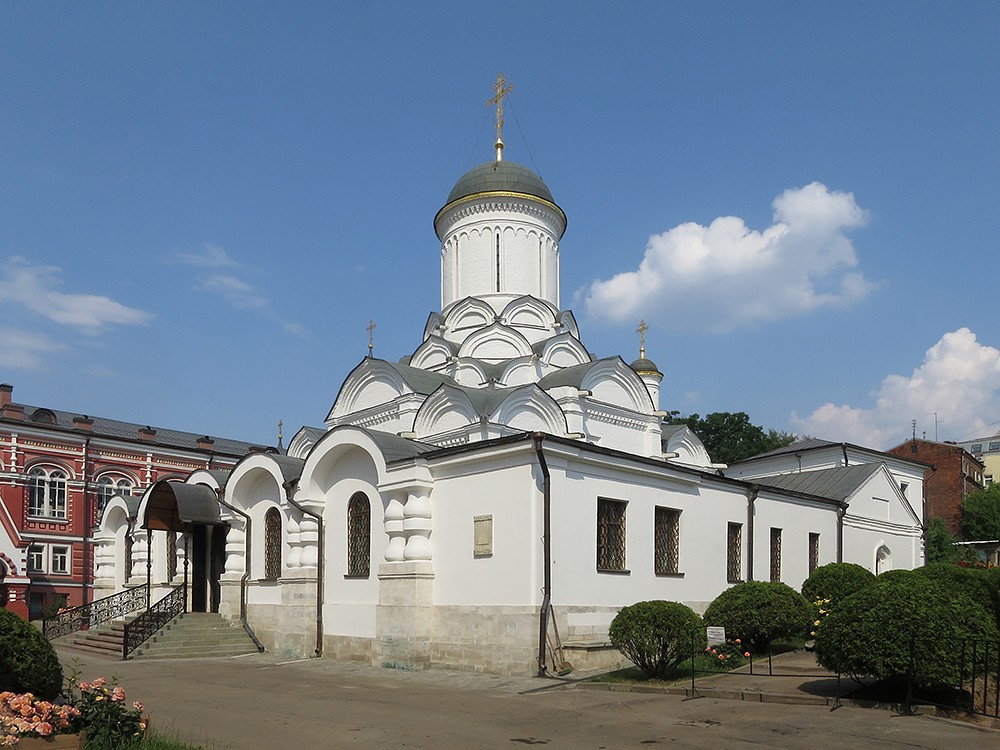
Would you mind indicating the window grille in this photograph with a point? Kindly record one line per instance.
(813, 552)
(358, 536)
(171, 555)
(610, 534)
(734, 553)
(775, 555)
(666, 540)
(272, 544)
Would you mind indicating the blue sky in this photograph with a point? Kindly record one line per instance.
(203, 204)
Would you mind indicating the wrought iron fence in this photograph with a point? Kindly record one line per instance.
(143, 627)
(97, 612)
(980, 679)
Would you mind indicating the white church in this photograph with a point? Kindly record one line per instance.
(500, 483)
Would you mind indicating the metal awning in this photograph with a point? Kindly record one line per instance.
(175, 506)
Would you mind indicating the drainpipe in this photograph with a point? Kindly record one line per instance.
(86, 515)
(246, 570)
(841, 510)
(321, 562)
(751, 499)
(543, 620)
(844, 448)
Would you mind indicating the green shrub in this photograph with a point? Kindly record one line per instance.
(836, 581)
(656, 636)
(28, 663)
(874, 631)
(758, 612)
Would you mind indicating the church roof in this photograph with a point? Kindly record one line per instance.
(835, 484)
(643, 366)
(502, 177)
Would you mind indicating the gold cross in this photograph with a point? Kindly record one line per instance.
(502, 90)
(641, 330)
(371, 336)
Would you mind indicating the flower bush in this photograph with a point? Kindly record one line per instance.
(23, 715)
(821, 608)
(97, 707)
(104, 713)
(729, 654)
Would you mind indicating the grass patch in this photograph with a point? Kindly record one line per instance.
(153, 741)
(703, 663)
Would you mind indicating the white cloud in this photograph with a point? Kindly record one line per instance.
(959, 378)
(237, 292)
(35, 288)
(726, 275)
(212, 256)
(24, 350)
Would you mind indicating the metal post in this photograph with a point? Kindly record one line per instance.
(986, 674)
(149, 564)
(187, 554)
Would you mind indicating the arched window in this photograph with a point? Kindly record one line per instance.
(883, 560)
(272, 544)
(110, 485)
(47, 493)
(359, 542)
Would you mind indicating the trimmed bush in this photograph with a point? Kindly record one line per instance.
(978, 583)
(656, 636)
(758, 612)
(836, 581)
(875, 631)
(28, 663)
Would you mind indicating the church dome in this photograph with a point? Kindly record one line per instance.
(499, 177)
(643, 366)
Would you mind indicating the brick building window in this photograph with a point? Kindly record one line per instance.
(775, 555)
(108, 486)
(666, 541)
(358, 536)
(734, 553)
(36, 559)
(60, 560)
(47, 493)
(610, 535)
(813, 552)
(272, 544)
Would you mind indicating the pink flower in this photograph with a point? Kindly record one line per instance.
(746, 654)
(118, 694)
(99, 683)
(43, 728)
(137, 705)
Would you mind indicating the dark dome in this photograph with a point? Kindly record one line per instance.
(643, 366)
(499, 176)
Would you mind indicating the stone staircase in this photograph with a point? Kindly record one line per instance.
(103, 641)
(196, 635)
(188, 636)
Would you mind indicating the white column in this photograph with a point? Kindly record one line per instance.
(394, 521)
(417, 526)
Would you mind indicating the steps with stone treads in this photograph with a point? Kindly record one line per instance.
(197, 635)
(103, 641)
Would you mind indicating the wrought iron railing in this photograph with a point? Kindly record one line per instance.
(97, 612)
(143, 627)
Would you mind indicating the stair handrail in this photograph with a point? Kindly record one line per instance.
(143, 627)
(96, 612)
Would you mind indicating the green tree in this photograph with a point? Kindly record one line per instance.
(940, 545)
(981, 514)
(730, 437)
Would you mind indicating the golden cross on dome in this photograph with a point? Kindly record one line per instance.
(641, 330)
(371, 336)
(502, 89)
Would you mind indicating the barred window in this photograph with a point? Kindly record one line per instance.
(272, 544)
(775, 555)
(610, 534)
(734, 553)
(666, 541)
(813, 552)
(171, 555)
(358, 536)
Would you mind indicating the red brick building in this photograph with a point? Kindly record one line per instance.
(953, 474)
(57, 472)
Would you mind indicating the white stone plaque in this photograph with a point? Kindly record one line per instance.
(715, 635)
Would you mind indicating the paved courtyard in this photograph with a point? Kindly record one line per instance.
(262, 702)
